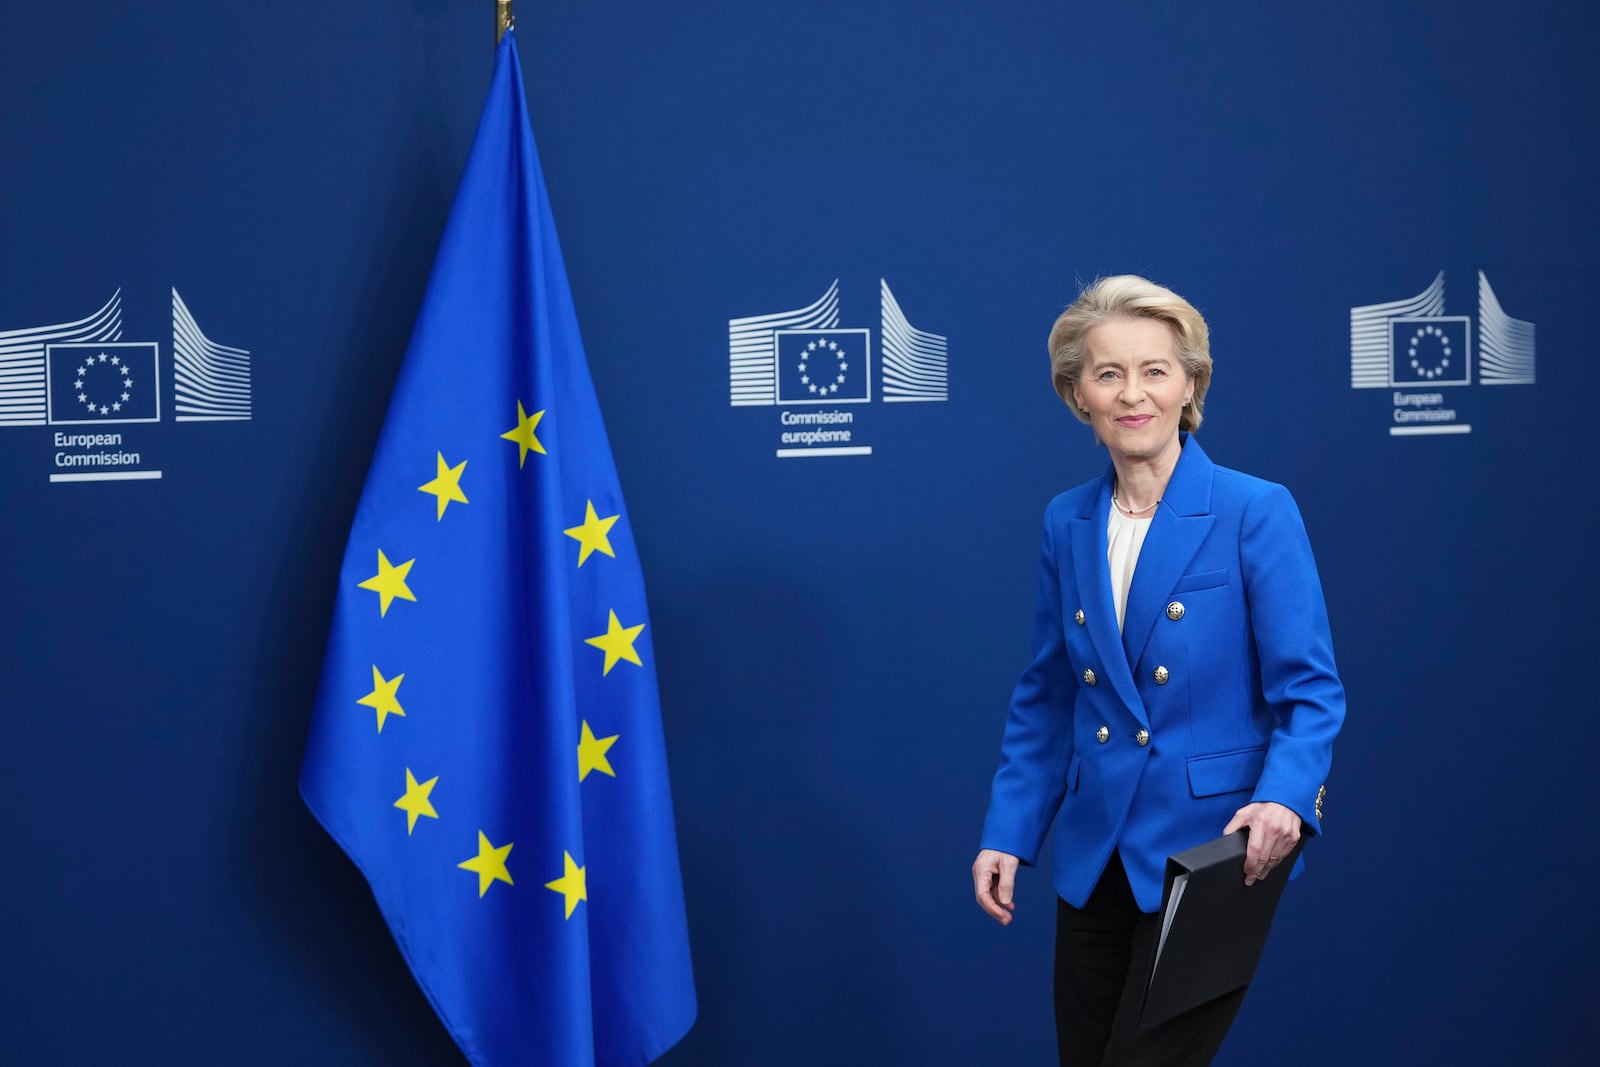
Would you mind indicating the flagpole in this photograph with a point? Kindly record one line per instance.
(503, 18)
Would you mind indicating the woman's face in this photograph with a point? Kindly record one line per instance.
(1134, 387)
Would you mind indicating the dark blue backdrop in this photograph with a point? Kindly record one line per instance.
(837, 636)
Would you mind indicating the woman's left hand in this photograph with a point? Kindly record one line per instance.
(1274, 831)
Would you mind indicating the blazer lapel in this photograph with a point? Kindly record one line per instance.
(1180, 526)
(1094, 595)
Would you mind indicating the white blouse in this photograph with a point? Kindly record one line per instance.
(1124, 539)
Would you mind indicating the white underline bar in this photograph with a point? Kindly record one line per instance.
(107, 476)
(1420, 431)
(799, 453)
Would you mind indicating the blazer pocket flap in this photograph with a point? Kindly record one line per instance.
(1226, 772)
(1201, 580)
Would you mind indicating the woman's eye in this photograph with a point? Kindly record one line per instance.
(1158, 372)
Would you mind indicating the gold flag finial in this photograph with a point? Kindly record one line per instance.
(503, 18)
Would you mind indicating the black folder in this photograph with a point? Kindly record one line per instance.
(1213, 927)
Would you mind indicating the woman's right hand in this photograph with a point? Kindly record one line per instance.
(994, 878)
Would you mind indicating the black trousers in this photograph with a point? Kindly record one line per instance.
(1103, 954)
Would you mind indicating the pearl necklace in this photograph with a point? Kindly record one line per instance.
(1131, 511)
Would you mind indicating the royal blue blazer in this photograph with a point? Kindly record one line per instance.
(1221, 689)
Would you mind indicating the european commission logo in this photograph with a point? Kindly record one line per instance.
(84, 376)
(1412, 347)
(766, 353)
(805, 362)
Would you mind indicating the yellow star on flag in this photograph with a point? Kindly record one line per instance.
(490, 863)
(592, 753)
(416, 801)
(383, 698)
(389, 583)
(522, 434)
(573, 884)
(591, 536)
(617, 643)
(446, 485)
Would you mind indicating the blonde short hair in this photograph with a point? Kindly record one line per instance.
(1128, 296)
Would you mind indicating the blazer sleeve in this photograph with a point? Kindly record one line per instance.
(1037, 746)
(1289, 621)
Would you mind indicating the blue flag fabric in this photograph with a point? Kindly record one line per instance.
(487, 741)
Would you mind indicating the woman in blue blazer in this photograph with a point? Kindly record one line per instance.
(1182, 684)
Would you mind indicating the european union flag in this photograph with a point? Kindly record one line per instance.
(823, 366)
(1430, 351)
(487, 739)
(103, 381)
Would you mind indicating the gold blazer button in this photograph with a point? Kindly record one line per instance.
(1078, 617)
(1088, 676)
(1175, 610)
(1103, 734)
(1162, 675)
(1143, 737)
